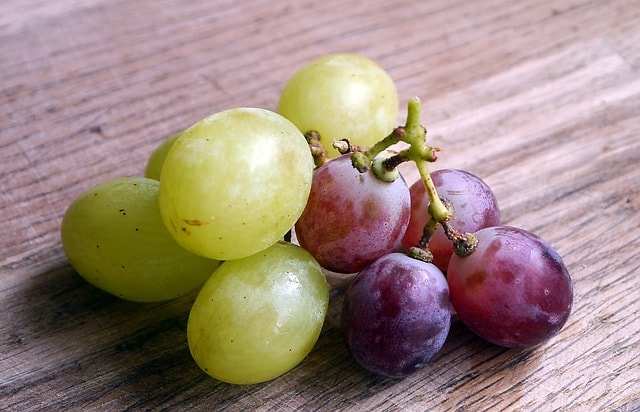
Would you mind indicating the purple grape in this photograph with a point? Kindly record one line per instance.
(352, 218)
(474, 207)
(513, 290)
(396, 315)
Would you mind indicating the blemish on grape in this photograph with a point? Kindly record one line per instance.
(475, 279)
(194, 222)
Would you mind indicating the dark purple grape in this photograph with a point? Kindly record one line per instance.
(474, 207)
(513, 290)
(396, 315)
(352, 218)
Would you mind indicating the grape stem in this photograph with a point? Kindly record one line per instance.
(318, 151)
(345, 146)
(414, 134)
(429, 229)
(463, 243)
(420, 153)
(421, 252)
(361, 160)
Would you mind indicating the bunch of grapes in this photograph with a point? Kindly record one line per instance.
(220, 203)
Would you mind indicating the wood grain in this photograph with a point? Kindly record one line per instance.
(540, 98)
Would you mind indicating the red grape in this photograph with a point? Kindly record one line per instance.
(513, 290)
(352, 218)
(396, 315)
(474, 207)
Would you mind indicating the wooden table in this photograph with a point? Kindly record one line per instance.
(540, 98)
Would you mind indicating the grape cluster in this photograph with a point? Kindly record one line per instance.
(220, 203)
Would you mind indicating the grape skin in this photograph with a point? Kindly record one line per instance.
(114, 238)
(513, 290)
(235, 182)
(258, 317)
(156, 160)
(474, 207)
(396, 315)
(341, 95)
(352, 218)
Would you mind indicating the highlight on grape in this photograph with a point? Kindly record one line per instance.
(250, 208)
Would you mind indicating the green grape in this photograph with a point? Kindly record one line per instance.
(114, 237)
(342, 95)
(258, 317)
(234, 183)
(156, 160)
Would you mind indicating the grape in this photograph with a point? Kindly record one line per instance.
(396, 315)
(474, 206)
(235, 182)
(513, 290)
(341, 95)
(258, 317)
(352, 218)
(156, 160)
(114, 238)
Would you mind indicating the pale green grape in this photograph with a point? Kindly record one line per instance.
(235, 182)
(258, 317)
(342, 95)
(114, 237)
(156, 160)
